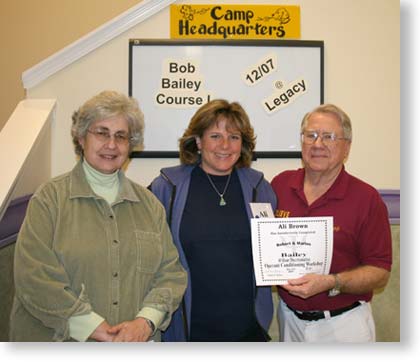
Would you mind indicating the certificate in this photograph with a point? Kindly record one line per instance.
(288, 248)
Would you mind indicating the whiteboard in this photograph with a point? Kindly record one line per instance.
(275, 81)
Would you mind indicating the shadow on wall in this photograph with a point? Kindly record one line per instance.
(386, 302)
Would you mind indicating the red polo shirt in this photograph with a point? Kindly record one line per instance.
(362, 234)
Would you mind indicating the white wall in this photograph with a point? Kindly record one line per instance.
(25, 150)
(362, 63)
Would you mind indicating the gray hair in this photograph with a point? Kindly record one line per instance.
(105, 105)
(333, 109)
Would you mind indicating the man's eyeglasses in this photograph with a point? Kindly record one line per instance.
(103, 135)
(327, 138)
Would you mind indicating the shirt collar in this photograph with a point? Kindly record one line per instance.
(337, 190)
(80, 188)
(95, 177)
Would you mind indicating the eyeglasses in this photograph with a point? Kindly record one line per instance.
(327, 138)
(103, 135)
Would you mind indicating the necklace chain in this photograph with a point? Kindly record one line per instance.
(222, 201)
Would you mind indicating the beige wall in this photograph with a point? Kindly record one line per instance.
(31, 30)
(361, 74)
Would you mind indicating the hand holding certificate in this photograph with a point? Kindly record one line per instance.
(288, 248)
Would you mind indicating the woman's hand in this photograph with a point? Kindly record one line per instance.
(137, 330)
(101, 333)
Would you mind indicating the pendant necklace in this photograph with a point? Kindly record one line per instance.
(222, 200)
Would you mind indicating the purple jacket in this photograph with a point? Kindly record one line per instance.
(171, 188)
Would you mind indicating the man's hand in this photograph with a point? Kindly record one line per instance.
(309, 285)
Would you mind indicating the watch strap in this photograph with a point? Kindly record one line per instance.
(336, 290)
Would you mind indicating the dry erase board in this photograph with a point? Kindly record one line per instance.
(276, 82)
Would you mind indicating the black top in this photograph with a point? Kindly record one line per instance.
(217, 244)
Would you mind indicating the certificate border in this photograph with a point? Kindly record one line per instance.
(284, 220)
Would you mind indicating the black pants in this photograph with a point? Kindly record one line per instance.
(256, 334)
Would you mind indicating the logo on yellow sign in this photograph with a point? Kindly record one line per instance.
(235, 21)
(282, 213)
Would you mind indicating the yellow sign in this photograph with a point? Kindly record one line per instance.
(235, 21)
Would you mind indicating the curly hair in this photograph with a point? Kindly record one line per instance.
(205, 117)
(105, 105)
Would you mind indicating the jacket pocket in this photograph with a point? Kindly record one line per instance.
(149, 251)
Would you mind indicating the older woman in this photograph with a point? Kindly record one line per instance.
(207, 201)
(94, 258)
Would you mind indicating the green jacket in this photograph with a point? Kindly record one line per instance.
(76, 253)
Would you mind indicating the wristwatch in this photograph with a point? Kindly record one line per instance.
(151, 324)
(336, 290)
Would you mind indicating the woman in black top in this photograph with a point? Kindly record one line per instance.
(207, 201)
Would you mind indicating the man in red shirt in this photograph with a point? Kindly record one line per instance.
(334, 307)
